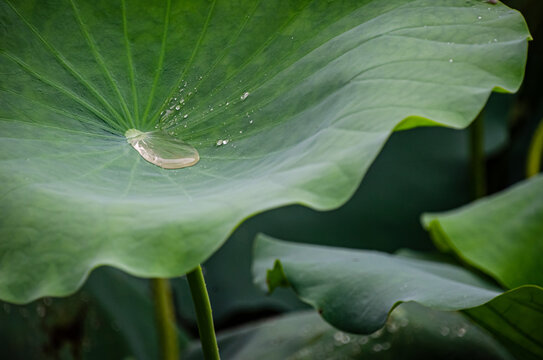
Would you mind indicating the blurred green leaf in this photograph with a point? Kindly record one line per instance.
(327, 81)
(412, 332)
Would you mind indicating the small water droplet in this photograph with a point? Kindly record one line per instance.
(479, 17)
(250, 121)
(219, 142)
(245, 95)
(40, 310)
(185, 116)
(241, 131)
(377, 347)
(444, 331)
(385, 345)
(162, 149)
(224, 142)
(177, 107)
(461, 332)
(363, 340)
(451, 60)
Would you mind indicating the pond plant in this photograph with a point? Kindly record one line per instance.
(139, 134)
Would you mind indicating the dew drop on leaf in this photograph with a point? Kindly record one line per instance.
(162, 149)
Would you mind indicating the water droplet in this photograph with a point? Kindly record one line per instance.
(245, 95)
(444, 331)
(40, 310)
(219, 142)
(377, 347)
(227, 103)
(461, 332)
(451, 60)
(185, 116)
(341, 338)
(385, 345)
(224, 142)
(392, 327)
(211, 109)
(377, 334)
(479, 17)
(241, 131)
(162, 150)
(363, 340)
(250, 121)
(177, 107)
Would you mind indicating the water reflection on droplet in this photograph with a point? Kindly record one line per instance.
(162, 149)
(245, 95)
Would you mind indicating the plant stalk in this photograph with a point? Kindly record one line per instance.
(165, 318)
(202, 307)
(477, 152)
(533, 165)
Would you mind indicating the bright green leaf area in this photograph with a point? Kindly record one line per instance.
(412, 332)
(327, 83)
(501, 235)
(355, 290)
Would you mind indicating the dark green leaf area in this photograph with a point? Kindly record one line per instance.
(412, 332)
(355, 290)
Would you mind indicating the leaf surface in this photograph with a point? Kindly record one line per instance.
(326, 84)
(501, 235)
(355, 290)
(412, 332)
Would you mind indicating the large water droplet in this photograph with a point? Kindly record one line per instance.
(162, 149)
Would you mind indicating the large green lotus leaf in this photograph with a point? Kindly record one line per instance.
(501, 235)
(305, 93)
(412, 332)
(355, 290)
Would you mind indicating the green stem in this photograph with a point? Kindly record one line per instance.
(165, 316)
(203, 314)
(477, 150)
(533, 165)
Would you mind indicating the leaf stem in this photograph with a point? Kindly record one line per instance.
(164, 310)
(202, 307)
(477, 152)
(533, 164)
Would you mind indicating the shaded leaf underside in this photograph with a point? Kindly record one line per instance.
(327, 84)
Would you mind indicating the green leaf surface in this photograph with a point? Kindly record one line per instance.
(327, 82)
(412, 332)
(502, 235)
(355, 290)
